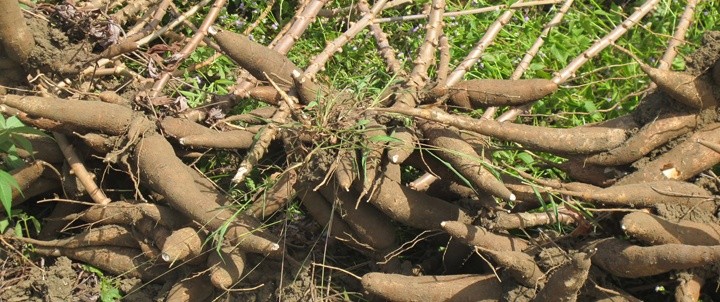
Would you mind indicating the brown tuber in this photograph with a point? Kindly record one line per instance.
(693, 91)
(483, 93)
(226, 267)
(623, 259)
(183, 244)
(398, 288)
(564, 284)
(651, 229)
(477, 236)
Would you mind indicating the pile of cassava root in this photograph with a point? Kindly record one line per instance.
(118, 161)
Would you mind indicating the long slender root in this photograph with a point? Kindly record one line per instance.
(433, 288)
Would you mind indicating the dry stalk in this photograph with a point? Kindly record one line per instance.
(443, 68)
(515, 5)
(259, 147)
(525, 63)
(81, 173)
(131, 10)
(383, 45)
(418, 76)
(426, 53)
(606, 41)
(189, 47)
(318, 63)
(678, 37)
(477, 51)
(349, 11)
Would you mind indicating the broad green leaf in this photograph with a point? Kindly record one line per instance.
(23, 143)
(4, 224)
(13, 122)
(27, 130)
(7, 181)
(526, 158)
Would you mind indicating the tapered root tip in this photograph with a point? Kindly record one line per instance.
(165, 257)
(275, 247)
(240, 175)
(512, 197)
(442, 224)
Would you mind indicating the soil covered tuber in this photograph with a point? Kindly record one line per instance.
(651, 229)
(623, 259)
(433, 288)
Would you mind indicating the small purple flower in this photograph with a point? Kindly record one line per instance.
(239, 23)
(274, 26)
(250, 36)
(414, 29)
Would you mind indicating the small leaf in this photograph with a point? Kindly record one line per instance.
(526, 158)
(28, 130)
(590, 107)
(13, 122)
(4, 224)
(7, 181)
(93, 270)
(536, 66)
(6, 196)
(23, 143)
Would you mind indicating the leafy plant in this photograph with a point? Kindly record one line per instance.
(11, 130)
(109, 291)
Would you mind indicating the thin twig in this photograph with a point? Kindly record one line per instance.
(525, 63)
(78, 168)
(319, 61)
(383, 45)
(300, 23)
(189, 47)
(477, 51)
(516, 5)
(606, 41)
